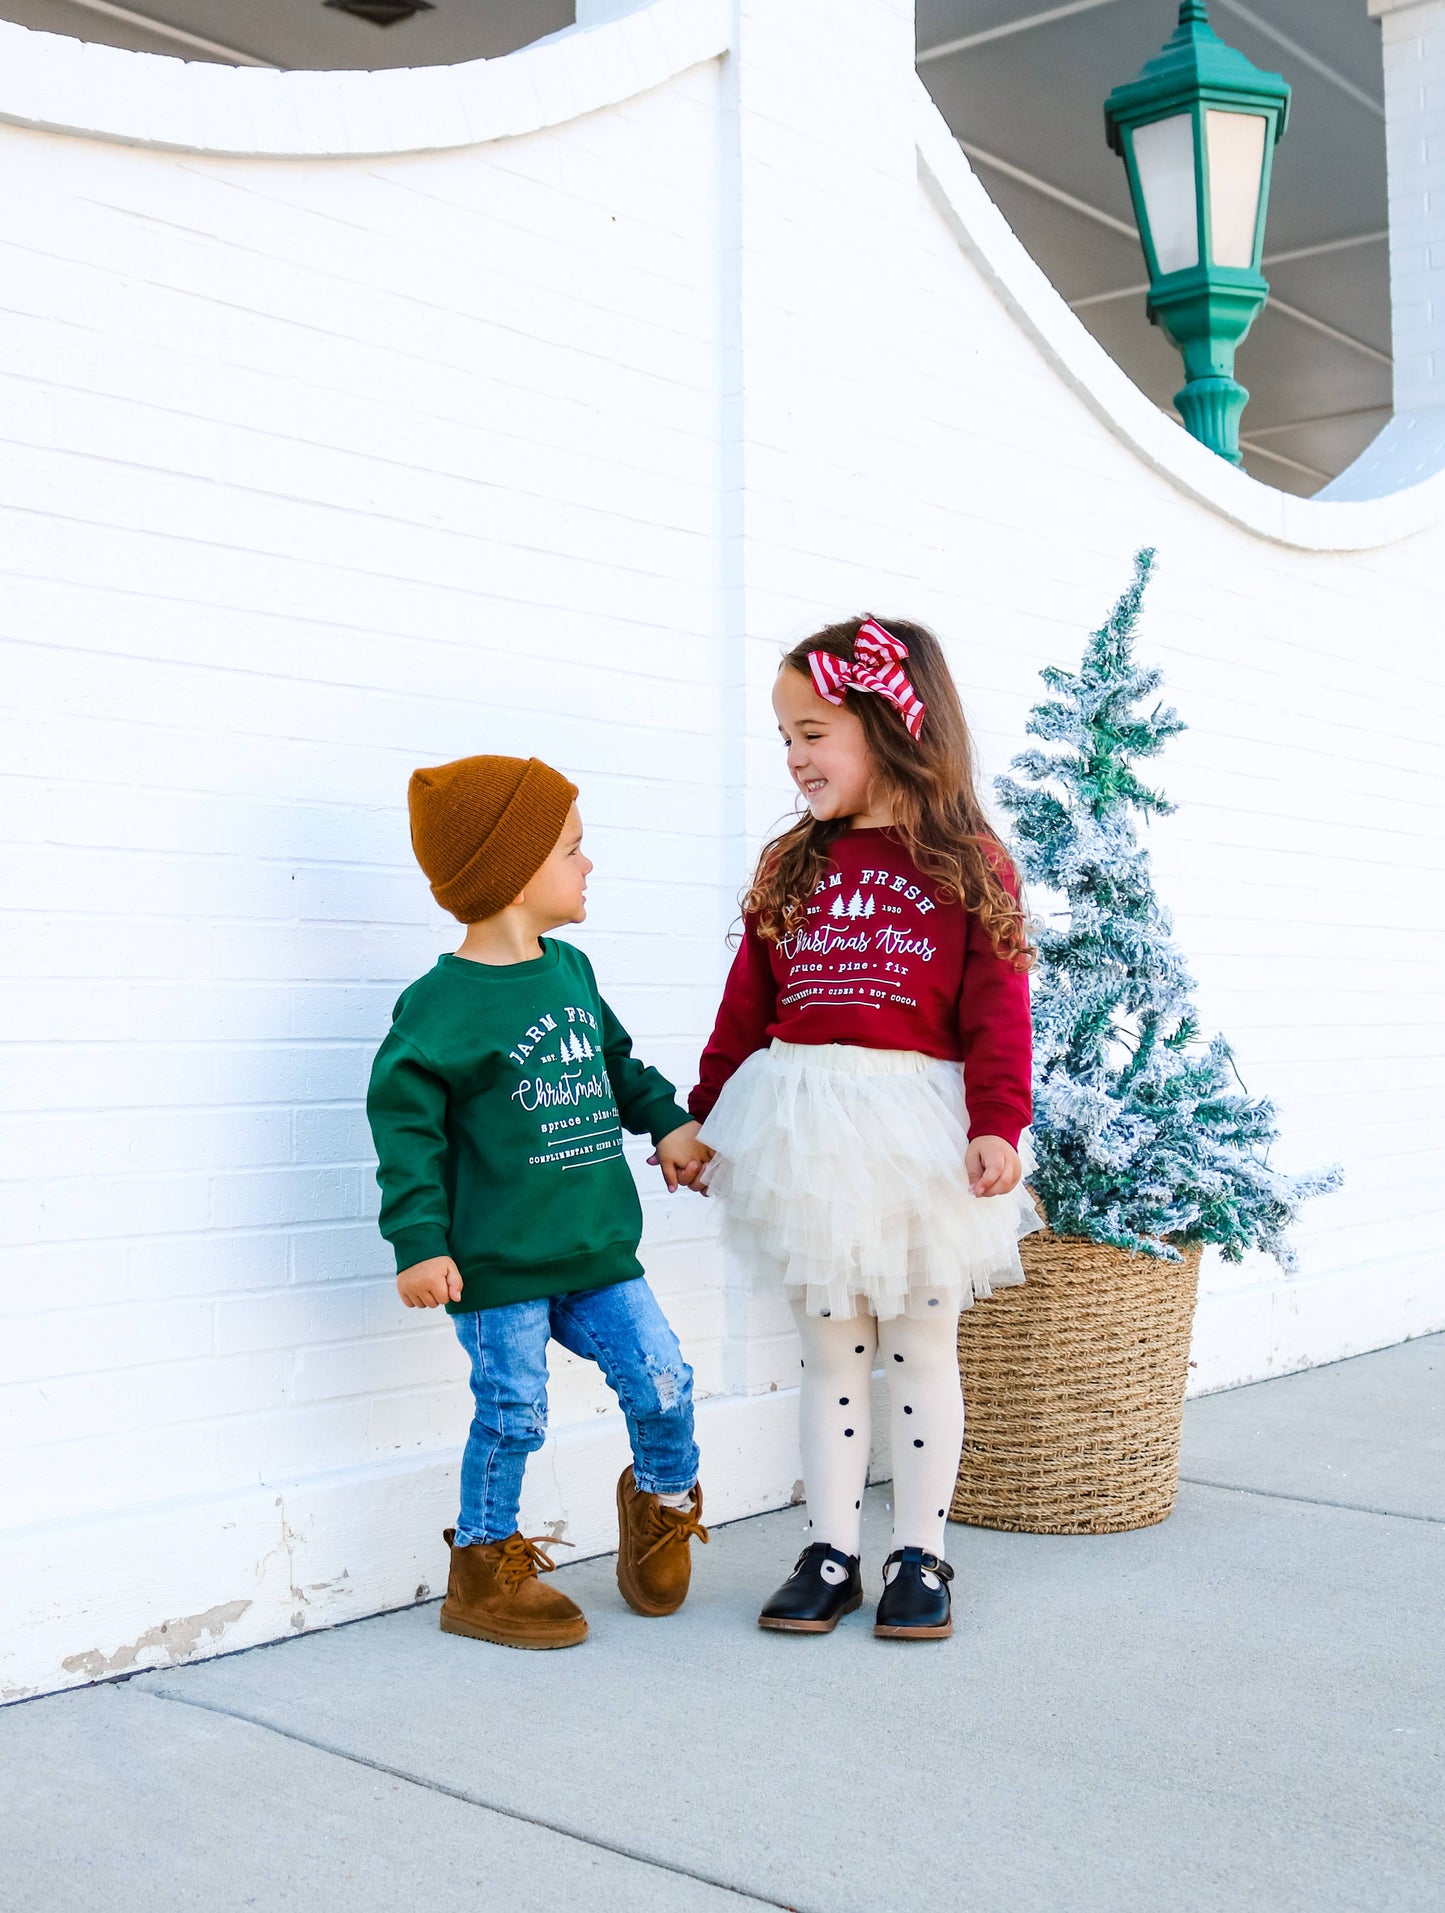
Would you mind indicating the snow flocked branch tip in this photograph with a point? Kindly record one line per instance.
(1144, 1137)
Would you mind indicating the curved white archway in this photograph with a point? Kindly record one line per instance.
(145, 99)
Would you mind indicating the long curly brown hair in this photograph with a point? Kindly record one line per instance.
(929, 783)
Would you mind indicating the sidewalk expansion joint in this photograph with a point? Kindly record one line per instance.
(1313, 1501)
(475, 1800)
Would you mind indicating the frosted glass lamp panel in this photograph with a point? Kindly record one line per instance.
(1164, 160)
(1235, 145)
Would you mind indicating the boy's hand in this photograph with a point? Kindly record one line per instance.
(992, 1166)
(426, 1285)
(681, 1157)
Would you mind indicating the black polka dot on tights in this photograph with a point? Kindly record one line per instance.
(906, 1409)
(918, 1444)
(847, 1431)
(933, 1301)
(842, 1401)
(940, 1514)
(857, 1504)
(826, 1314)
(898, 1358)
(859, 1349)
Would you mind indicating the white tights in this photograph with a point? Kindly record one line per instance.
(920, 1362)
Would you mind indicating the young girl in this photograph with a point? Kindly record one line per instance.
(864, 1091)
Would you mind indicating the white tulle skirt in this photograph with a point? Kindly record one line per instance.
(840, 1174)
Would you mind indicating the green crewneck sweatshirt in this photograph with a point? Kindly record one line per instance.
(497, 1105)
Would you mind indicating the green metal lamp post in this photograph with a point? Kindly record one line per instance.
(1196, 131)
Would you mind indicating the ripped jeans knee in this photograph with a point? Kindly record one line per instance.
(623, 1329)
(671, 1385)
(517, 1424)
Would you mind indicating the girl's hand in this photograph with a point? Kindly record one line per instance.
(426, 1285)
(992, 1166)
(681, 1157)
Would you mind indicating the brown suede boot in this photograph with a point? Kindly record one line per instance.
(654, 1562)
(493, 1594)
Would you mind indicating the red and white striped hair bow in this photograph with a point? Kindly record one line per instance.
(874, 667)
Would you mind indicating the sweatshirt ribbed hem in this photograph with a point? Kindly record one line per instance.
(489, 1285)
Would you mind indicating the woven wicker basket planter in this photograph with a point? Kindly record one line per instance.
(1074, 1386)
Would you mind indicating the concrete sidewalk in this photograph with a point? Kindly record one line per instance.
(1242, 1707)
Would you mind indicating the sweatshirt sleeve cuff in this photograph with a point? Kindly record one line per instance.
(992, 1119)
(419, 1244)
(660, 1119)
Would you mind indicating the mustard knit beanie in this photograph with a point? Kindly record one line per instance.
(483, 827)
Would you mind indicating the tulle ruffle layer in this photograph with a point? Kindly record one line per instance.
(840, 1174)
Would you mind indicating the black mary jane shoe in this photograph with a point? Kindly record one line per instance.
(811, 1602)
(911, 1610)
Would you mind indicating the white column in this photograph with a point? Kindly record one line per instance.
(596, 13)
(1412, 446)
(1413, 35)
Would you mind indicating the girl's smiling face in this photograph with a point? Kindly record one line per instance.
(828, 755)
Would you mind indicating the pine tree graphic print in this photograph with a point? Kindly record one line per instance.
(865, 943)
(563, 1081)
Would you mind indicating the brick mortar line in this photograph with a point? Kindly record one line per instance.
(679, 435)
(212, 302)
(177, 218)
(318, 622)
(471, 1800)
(371, 459)
(209, 668)
(472, 541)
(344, 264)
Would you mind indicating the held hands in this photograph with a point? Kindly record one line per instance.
(682, 1159)
(426, 1285)
(992, 1166)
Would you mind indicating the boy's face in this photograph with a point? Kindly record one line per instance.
(558, 892)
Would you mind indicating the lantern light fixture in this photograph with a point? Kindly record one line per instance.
(382, 13)
(1197, 130)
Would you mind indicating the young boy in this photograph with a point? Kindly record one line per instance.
(497, 1105)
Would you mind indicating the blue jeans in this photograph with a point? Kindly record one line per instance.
(620, 1328)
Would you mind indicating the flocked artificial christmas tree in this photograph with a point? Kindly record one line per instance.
(1147, 1146)
(1144, 1137)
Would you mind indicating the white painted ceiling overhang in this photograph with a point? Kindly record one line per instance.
(1021, 84)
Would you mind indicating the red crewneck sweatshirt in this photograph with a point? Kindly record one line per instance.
(882, 962)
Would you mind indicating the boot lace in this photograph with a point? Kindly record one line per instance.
(525, 1556)
(672, 1527)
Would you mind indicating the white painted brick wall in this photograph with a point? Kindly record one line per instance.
(311, 475)
(315, 470)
